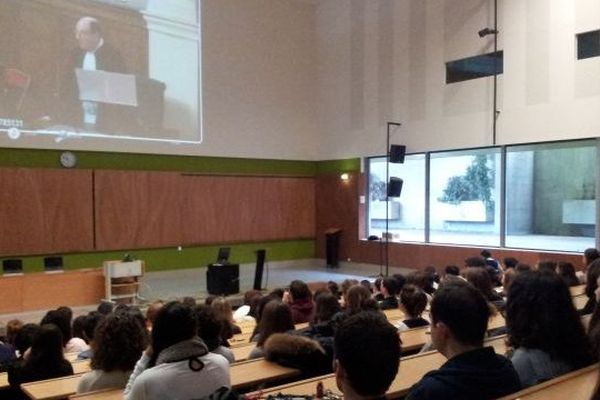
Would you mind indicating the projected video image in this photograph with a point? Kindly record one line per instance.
(101, 68)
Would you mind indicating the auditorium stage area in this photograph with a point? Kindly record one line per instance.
(176, 284)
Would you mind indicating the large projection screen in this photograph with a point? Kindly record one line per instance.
(113, 69)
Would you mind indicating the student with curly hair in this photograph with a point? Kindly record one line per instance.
(118, 343)
(544, 328)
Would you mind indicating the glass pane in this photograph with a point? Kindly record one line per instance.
(551, 196)
(464, 188)
(407, 212)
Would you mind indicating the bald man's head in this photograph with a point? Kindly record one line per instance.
(88, 33)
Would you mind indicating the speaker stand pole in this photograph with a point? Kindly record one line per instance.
(387, 195)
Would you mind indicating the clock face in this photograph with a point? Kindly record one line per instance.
(68, 159)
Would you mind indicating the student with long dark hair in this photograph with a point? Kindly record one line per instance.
(591, 284)
(177, 364)
(45, 361)
(566, 271)
(276, 318)
(544, 328)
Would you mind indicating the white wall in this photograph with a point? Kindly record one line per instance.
(384, 61)
(259, 85)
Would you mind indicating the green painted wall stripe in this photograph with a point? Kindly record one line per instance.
(338, 166)
(39, 158)
(36, 158)
(189, 257)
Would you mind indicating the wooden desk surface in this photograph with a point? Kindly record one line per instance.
(107, 394)
(241, 353)
(243, 375)
(4, 380)
(57, 388)
(577, 290)
(576, 385)
(252, 372)
(78, 367)
(241, 339)
(579, 301)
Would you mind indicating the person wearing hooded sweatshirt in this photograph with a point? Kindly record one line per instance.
(459, 315)
(177, 364)
(300, 302)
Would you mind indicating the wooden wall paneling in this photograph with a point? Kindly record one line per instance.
(70, 288)
(138, 209)
(45, 211)
(337, 207)
(232, 209)
(11, 293)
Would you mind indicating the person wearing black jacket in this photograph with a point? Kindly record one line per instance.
(459, 321)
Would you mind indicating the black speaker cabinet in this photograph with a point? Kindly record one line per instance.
(397, 153)
(395, 187)
(223, 279)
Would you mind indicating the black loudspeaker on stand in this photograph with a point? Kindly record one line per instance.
(260, 266)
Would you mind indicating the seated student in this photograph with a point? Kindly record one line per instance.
(89, 326)
(224, 312)
(118, 343)
(177, 364)
(358, 299)
(8, 351)
(592, 276)
(299, 298)
(367, 356)
(61, 317)
(24, 338)
(544, 328)
(151, 313)
(45, 361)
(510, 263)
(209, 330)
(322, 327)
(413, 302)
(247, 311)
(566, 271)
(377, 295)
(276, 318)
(451, 272)
(459, 317)
(334, 289)
(480, 279)
(389, 291)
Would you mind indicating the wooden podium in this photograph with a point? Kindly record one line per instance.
(121, 280)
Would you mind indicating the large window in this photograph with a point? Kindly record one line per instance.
(551, 196)
(407, 212)
(456, 197)
(464, 188)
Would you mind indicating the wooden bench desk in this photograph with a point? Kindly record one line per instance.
(50, 389)
(106, 394)
(577, 290)
(576, 385)
(579, 301)
(4, 381)
(252, 372)
(79, 367)
(243, 375)
(241, 353)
